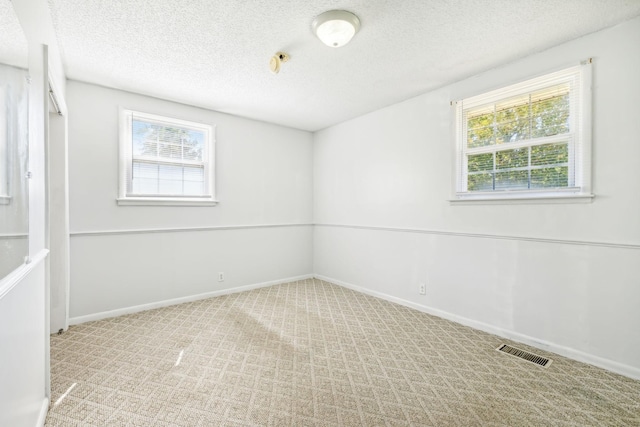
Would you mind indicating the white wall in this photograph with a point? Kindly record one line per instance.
(22, 350)
(263, 178)
(514, 269)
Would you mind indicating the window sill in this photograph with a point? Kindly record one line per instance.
(164, 201)
(5, 200)
(522, 199)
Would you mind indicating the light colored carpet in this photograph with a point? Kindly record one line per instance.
(313, 353)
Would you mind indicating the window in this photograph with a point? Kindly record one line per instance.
(165, 161)
(526, 141)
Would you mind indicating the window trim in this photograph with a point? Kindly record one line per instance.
(580, 147)
(126, 157)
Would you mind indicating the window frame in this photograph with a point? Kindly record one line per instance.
(578, 137)
(126, 163)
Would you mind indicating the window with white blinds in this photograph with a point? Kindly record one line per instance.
(526, 140)
(165, 160)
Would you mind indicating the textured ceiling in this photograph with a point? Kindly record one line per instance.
(215, 54)
(13, 44)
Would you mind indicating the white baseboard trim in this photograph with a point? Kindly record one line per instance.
(42, 416)
(580, 356)
(158, 304)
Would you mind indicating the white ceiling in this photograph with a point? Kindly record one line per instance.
(215, 54)
(13, 44)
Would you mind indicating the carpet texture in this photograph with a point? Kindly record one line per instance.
(312, 353)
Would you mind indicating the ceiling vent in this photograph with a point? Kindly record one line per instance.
(530, 357)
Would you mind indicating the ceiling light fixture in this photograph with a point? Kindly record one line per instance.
(335, 28)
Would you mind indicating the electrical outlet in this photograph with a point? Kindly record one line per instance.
(422, 289)
(220, 277)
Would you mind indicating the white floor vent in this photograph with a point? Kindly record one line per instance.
(533, 358)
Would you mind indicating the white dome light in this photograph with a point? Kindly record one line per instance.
(336, 28)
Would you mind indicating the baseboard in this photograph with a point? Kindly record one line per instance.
(42, 416)
(610, 365)
(158, 304)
